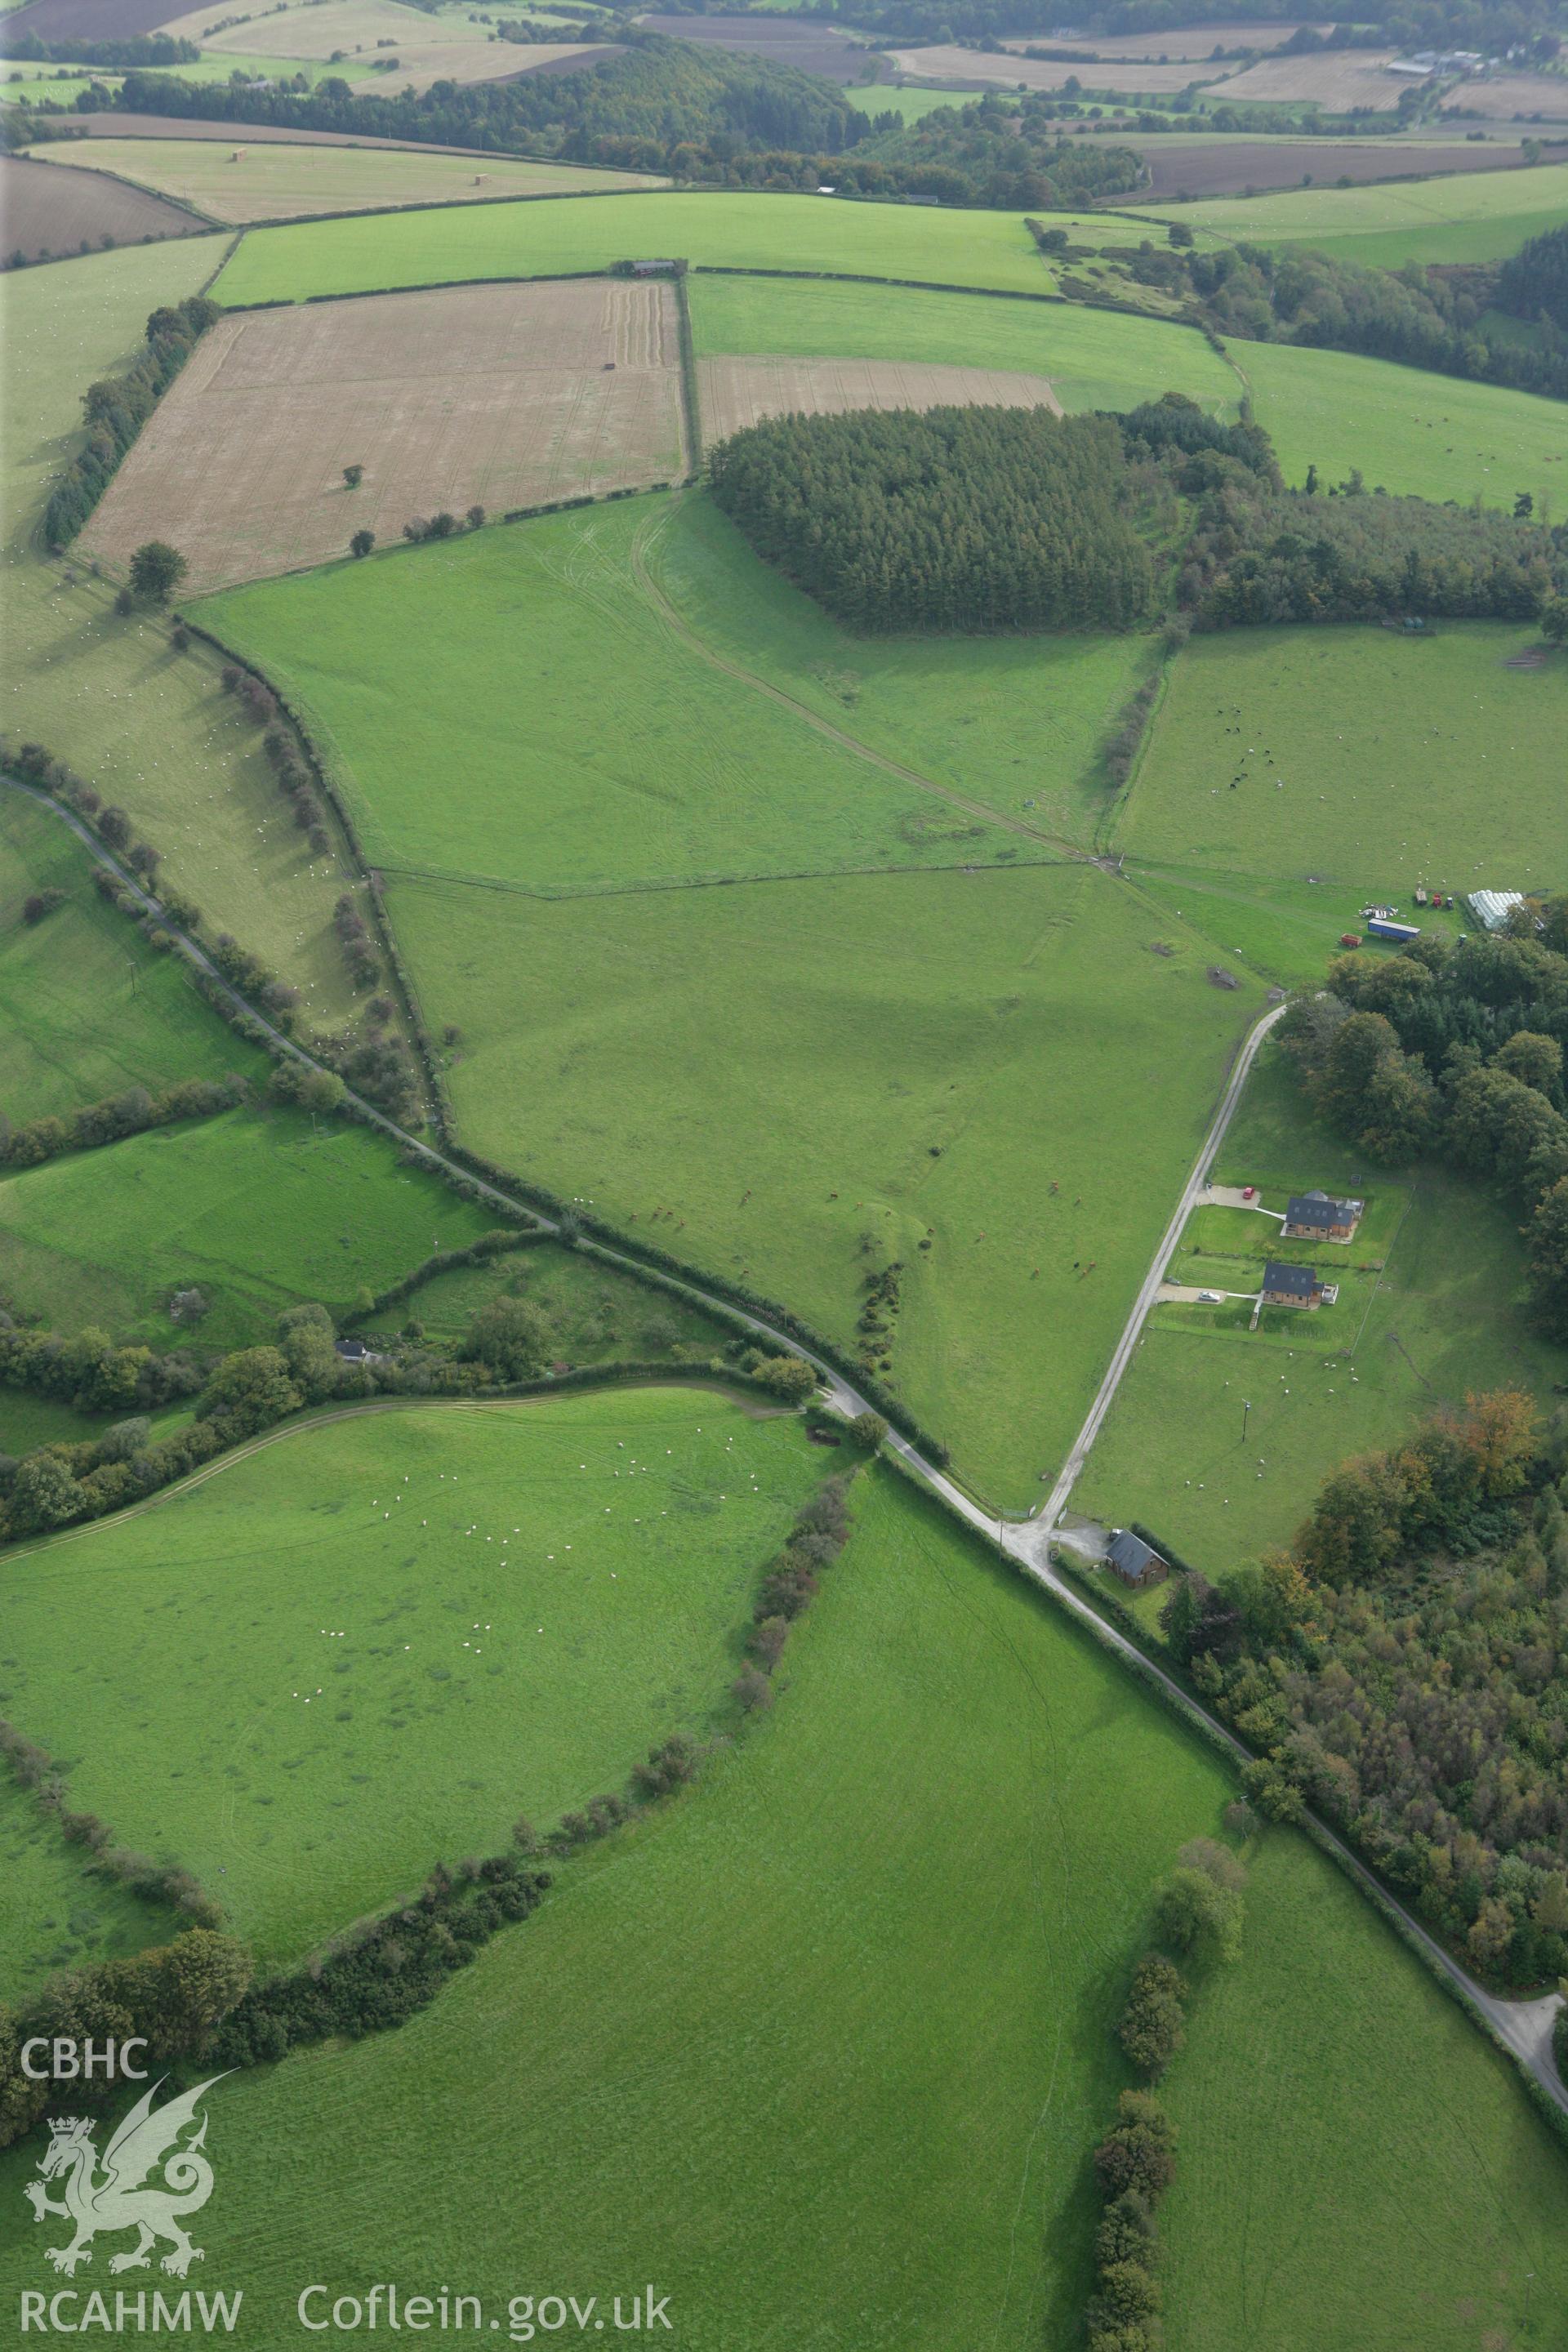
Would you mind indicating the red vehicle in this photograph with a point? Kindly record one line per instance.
(1349, 939)
(1249, 1191)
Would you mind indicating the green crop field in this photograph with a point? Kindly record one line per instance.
(1095, 359)
(257, 1212)
(1418, 435)
(56, 1914)
(794, 1083)
(86, 1008)
(1470, 217)
(478, 1666)
(734, 230)
(147, 726)
(1446, 1317)
(274, 179)
(821, 2048)
(1368, 758)
(685, 773)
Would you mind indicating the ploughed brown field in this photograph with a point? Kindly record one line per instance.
(735, 392)
(87, 20)
(802, 41)
(54, 209)
(979, 67)
(1219, 166)
(499, 397)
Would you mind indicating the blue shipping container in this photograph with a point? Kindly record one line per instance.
(1382, 931)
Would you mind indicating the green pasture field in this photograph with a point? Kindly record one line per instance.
(912, 105)
(275, 177)
(1019, 723)
(258, 1211)
(791, 1084)
(56, 1914)
(376, 1549)
(1409, 432)
(86, 1008)
(822, 2047)
(737, 229)
(1285, 930)
(1349, 2120)
(1468, 217)
(149, 728)
(1095, 359)
(26, 1420)
(1396, 761)
(595, 748)
(1448, 1317)
(597, 1315)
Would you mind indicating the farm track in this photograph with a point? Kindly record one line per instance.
(1523, 2027)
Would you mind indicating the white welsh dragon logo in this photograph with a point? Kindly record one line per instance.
(116, 2198)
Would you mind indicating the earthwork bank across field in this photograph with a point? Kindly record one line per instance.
(495, 395)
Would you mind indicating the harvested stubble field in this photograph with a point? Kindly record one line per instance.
(274, 182)
(1194, 42)
(499, 395)
(451, 45)
(1477, 217)
(149, 727)
(53, 209)
(1510, 98)
(1335, 81)
(727, 229)
(1093, 359)
(491, 1646)
(735, 392)
(977, 67)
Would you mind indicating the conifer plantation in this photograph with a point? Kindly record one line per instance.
(962, 518)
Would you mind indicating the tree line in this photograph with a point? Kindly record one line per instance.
(117, 409)
(1455, 1051)
(699, 113)
(1403, 1668)
(1533, 282)
(973, 518)
(110, 1120)
(1421, 317)
(1199, 1913)
(1486, 25)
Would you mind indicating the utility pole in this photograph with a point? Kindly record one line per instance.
(1246, 1409)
